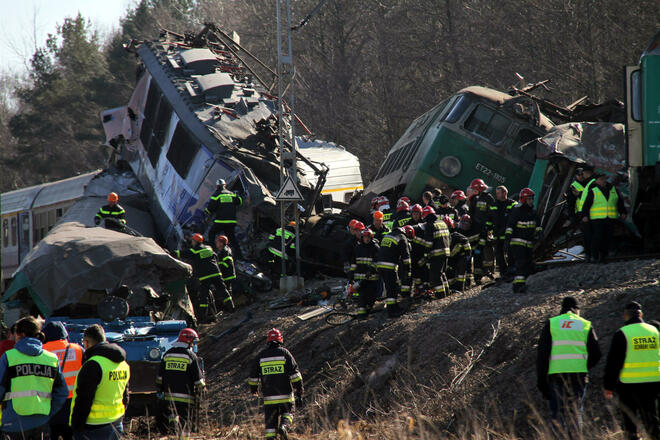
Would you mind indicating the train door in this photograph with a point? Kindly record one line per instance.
(24, 236)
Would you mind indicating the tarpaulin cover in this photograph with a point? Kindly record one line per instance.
(599, 144)
(73, 259)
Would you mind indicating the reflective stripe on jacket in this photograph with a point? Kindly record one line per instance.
(70, 368)
(602, 207)
(569, 334)
(31, 380)
(642, 361)
(108, 404)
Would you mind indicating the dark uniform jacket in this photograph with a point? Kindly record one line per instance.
(571, 199)
(226, 260)
(616, 357)
(88, 380)
(449, 212)
(436, 237)
(418, 245)
(545, 347)
(480, 211)
(379, 233)
(589, 201)
(277, 371)
(222, 206)
(462, 208)
(365, 259)
(348, 254)
(401, 218)
(179, 373)
(115, 212)
(500, 213)
(523, 226)
(459, 245)
(394, 250)
(202, 259)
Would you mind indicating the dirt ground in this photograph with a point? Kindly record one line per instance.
(459, 367)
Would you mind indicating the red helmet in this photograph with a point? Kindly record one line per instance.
(427, 210)
(188, 336)
(198, 238)
(465, 222)
(478, 185)
(402, 205)
(352, 224)
(274, 335)
(367, 233)
(383, 203)
(359, 226)
(448, 221)
(113, 197)
(222, 239)
(458, 194)
(525, 193)
(416, 208)
(405, 199)
(409, 231)
(374, 202)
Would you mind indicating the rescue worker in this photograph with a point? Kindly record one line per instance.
(32, 387)
(206, 273)
(384, 207)
(601, 207)
(482, 224)
(460, 257)
(436, 236)
(500, 211)
(568, 348)
(281, 385)
(366, 273)
(275, 248)
(633, 371)
(221, 209)
(465, 228)
(180, 381)
(355, 228)
(418, 267)
(579, 190)
(458, 201)
(427, 200)
(69, 356)
(522, 231)
(415, 214)
(100, 396)
(112, 211)
(402, 215)
(378, 226)
(444, 209)
(226, 261)
(394, 251)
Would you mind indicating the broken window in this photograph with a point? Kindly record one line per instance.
(458, 107)
(150, 121)
(183, 149)
(524, 137)
(488, 123)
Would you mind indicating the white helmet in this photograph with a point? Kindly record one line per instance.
(220, 182)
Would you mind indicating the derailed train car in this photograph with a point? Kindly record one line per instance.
(199, 113)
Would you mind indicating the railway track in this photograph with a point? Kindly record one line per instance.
(628, 257)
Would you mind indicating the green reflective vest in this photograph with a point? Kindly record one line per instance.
(583, 196)
(642, 362)
(108, 404)
(569, 335)
(31, 381)
(602, 207)
(579, 188)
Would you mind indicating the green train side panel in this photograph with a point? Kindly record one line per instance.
(538, 175)
(476, 161)
(651, 108)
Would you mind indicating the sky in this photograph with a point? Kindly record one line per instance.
(26, 22)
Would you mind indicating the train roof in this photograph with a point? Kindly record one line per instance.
(45, 194)
(344, 166)
(500, 98)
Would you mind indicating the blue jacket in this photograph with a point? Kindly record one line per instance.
(12, 422)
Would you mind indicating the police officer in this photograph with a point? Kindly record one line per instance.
(180, 380)
(32, 387)
(575, 199)
(378, 226)
(222, 210)
(394, 251)
(100, 396)
(602, 205)
(275, 248)
(460, 257)
(633, 371)
(480, 203)
(522, 231)
(568, 348)
(366, 273)
(277, 371)
(112, 211)
(69, 356)
(436, 237)
(226, 261)
(500, 213)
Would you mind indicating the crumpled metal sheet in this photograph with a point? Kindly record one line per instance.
(599, 144)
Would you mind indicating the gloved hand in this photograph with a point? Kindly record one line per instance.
(97, 221)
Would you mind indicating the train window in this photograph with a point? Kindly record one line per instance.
(458, 107)
(636, 96)
(488, 124)
(160, 129)
(58, 213)
(183, 149)
(51, 219)
(5, 233)
(150, 108)
(26, 229)
(14, 231)
(524, 139)
(411, 155)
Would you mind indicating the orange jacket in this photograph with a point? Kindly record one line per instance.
(71, 366)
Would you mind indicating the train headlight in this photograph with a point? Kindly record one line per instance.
(154, 354)
(450, 166)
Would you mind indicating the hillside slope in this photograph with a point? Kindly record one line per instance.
(458, 367)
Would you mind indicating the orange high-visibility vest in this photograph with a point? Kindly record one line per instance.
(73, 363)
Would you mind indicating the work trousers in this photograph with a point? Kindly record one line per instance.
(221, 295)
(566, 403)
(280, 414)
(420, 273)
(203, 301)
(457, 271)
(437, 276)
(406, 281)
(484, 257)
(586, 238)
(39, 433)
(391, 281)
(368, 293)
(522, 267)
(638, 403)
(174, 417)
(109, 431)
(501, 257)
(601, 236)
(228, 230)
(59, 423)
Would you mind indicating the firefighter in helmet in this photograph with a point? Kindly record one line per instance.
(113, 214)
